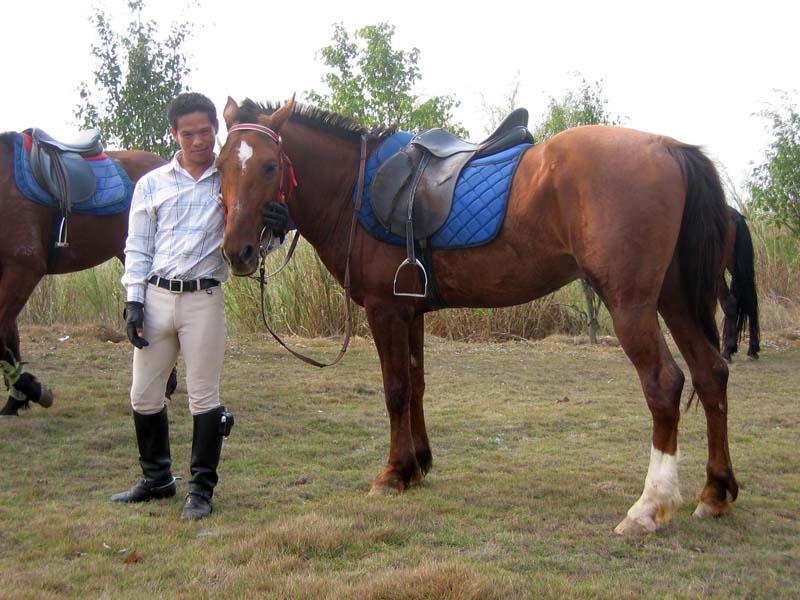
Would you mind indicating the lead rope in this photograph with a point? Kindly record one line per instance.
(348, 312)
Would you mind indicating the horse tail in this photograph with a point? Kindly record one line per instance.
(743, 284)
(702, 235)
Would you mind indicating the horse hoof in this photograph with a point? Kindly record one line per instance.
(705, 511)
(384, 491)
(638, 526)
(46, 398)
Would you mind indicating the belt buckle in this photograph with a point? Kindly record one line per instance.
(180, 286)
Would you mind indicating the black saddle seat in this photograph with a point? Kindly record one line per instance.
(511, 132)
(86, 143)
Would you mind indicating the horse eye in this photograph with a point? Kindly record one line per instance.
(270, 168)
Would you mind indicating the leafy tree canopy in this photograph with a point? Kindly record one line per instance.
(135, 78)
(775, 184)
(372, 82)
(583, 106)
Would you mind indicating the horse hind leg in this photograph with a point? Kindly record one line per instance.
(710, 379)
(662, 383)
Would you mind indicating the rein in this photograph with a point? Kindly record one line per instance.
(262, 268)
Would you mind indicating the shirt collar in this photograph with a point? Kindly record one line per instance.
(175, 165)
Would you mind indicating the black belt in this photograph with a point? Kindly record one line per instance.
(179, 285)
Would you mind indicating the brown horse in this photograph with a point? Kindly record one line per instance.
(642, 217)
(739, 302)
(27, 254)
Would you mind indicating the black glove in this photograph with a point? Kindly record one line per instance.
(276, 218)
(134, 323)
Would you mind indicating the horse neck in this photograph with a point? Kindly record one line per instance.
(322, 207)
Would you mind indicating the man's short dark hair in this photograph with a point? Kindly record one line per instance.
(187, 103)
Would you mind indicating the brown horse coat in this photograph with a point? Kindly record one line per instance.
(641, 216)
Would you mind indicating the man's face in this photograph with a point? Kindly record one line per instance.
(195, 135)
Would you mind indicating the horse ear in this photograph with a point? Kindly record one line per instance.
(280, 116)
(230, 113)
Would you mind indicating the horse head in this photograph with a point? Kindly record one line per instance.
(254, 171)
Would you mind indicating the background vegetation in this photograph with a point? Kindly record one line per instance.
(305, 300)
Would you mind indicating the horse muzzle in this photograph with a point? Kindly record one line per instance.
(243, 261)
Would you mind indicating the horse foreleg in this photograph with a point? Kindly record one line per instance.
(12, 345)
(419, 433)
(662, 382)
(16, 286)
(390, 330)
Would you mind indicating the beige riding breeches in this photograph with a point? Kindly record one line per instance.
(192, 323)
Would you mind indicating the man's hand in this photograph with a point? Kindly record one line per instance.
(276, 218)
(134, 323)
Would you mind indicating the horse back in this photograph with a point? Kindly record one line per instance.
(136, 162)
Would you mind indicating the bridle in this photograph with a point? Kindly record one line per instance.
(286, 177)
(286, 173)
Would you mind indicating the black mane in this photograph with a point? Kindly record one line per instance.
(317, 118)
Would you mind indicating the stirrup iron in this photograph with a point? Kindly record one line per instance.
(415, 262)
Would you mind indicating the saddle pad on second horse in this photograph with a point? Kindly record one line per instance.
(479, 202)
(112, 195)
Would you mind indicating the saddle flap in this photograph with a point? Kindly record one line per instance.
(408, 179)
(391, 177)
(80, 180)
(64, 175)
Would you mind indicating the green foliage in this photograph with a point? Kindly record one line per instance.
(372, 82)
(775, 184)
(584, 106)
(135, 78)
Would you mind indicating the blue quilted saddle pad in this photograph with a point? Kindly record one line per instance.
(112, 196)
(479, 203)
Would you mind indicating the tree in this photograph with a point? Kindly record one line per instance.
(775, 184)
(496, 113)
(135, 78)
(372, 82)
(584, 106)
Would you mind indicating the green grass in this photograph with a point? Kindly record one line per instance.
(539, 450)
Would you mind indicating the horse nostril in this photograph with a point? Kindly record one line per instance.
(247, 253)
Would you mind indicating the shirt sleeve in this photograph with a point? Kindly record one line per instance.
(140, 244)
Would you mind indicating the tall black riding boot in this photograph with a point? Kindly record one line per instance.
(152, 435)
(209, 429)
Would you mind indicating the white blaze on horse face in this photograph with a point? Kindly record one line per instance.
(661, 495)
(245, 153)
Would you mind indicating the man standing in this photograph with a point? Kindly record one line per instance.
(173, 271)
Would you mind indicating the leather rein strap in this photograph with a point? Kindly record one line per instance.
(356, 210)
